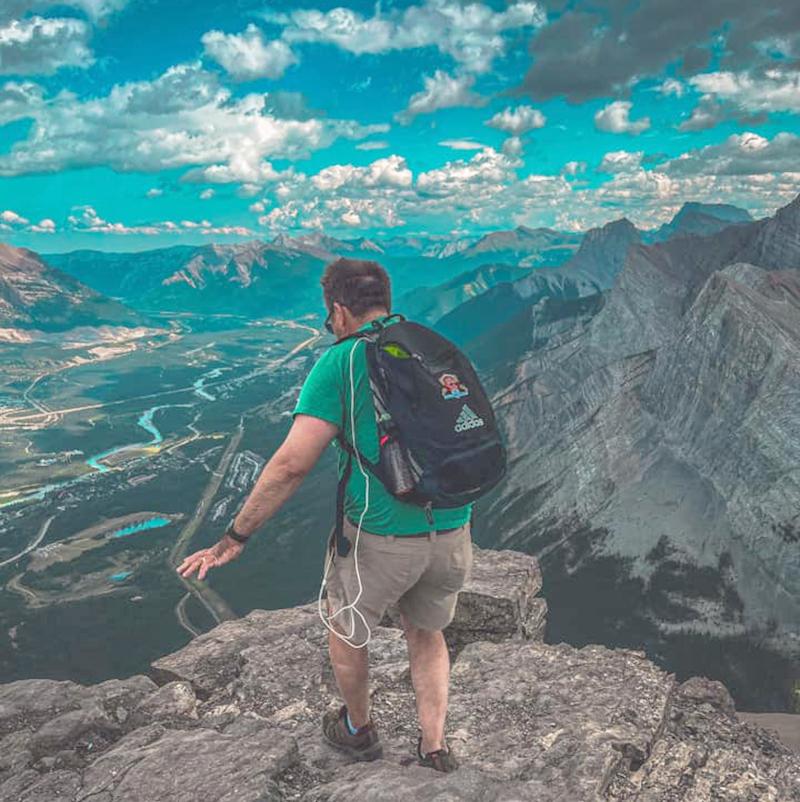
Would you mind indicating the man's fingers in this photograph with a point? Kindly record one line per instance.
(202, 560)
(191, 563)
(188, 570)
(206, 563)
(187, 566)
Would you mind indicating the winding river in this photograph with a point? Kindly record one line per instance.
(145, 420)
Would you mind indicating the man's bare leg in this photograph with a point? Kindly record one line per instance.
(430, 675)
(351, 669)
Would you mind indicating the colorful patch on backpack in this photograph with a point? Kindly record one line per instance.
(452, 387)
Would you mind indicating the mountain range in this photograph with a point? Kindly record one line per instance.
(431, 275)
(654, 439)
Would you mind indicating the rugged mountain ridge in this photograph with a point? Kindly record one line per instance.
(250, 278)
(525, 246)
(427, 305)
(592, 269)
(234, 716)
(701, 219)
(581, 266)
(256, 277)
(34, 295)
(660, 433)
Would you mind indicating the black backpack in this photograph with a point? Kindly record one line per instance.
(439, 441)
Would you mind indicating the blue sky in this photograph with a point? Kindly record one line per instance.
(132, 124)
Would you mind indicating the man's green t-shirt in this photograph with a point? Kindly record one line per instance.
(326, 394)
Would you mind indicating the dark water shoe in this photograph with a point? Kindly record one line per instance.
(364, 745)
(440, 759)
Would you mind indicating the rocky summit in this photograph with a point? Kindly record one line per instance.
(234, 717)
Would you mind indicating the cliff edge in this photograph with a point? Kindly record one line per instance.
(234, 717)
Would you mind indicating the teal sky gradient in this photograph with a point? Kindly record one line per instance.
(81, 167)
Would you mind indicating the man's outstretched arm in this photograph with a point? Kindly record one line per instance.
(284, 472)
(281, 476)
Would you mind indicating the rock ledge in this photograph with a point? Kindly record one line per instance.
(234, 717)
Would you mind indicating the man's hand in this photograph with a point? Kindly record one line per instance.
(223, 552)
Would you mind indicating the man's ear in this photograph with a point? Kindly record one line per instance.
(340, 313)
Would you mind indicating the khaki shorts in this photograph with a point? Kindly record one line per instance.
(423, 575)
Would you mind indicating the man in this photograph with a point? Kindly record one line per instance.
(398, 556)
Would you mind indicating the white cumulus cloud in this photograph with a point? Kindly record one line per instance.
(44, 226)
(485, 171)
(615, 118)
(743, 154)
(183, 118)
(672, 86)
(471, 33)
(43, 45)
(775, 90)
(442, 91)
(574, 168)
(621, 161)
(19, 100)
(248, 55)
(12, 218)
(391, 171)
(517, 120)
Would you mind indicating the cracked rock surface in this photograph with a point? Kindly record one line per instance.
(235, 717)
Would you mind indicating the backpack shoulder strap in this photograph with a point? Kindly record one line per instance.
(342, 544)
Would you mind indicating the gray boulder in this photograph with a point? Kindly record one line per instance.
(197, 765)
(174, 702)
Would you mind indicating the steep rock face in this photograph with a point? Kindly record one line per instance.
(34, 295)
(726, 392)
(665, 428)
(235, 717)
(658, 283)
(603, 252)
(776, 243)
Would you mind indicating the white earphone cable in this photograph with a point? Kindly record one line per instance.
(329, 553)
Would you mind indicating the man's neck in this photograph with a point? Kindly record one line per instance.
(367, 317)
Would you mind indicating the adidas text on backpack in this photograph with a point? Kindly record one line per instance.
(467, 419)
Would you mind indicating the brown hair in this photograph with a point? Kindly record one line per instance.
(358, 284)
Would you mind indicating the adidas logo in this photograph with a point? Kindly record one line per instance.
(467, 419)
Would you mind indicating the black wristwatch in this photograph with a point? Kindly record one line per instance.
(234, 535)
